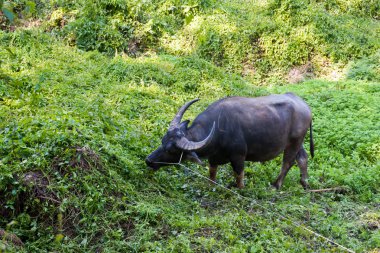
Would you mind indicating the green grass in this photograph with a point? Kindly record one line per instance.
(83, 123)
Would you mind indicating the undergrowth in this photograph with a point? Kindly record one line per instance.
(76, 126)
(88, 88)
(262, 40)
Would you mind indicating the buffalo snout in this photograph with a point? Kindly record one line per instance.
(152, 164)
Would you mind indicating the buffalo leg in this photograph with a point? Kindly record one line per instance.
(213, 169)
(240, 179)
(302, 164)
(238, 167)
(287, 162)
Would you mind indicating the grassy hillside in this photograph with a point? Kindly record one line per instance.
(76, 124)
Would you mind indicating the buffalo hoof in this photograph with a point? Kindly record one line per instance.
(275, 186)
(235, 185)
(305, 185)
(272, 188)
(240, 186)
(232, 185)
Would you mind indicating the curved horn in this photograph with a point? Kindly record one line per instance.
(177, 119)
(185, 144)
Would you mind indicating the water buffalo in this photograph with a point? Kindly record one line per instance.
(238, 129)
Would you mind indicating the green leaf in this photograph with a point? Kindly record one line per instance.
(189, 18)
(8, 14)
(30, 7)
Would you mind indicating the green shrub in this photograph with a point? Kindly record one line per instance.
(260, 39)
(129, 26)
(366, 69)
(12, 10)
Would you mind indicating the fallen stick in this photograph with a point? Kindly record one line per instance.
(51, 199)
(336, 189)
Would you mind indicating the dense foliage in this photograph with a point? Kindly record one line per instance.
(263, 40)
(87, 89)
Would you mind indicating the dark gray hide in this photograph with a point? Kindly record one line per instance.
(237, 129)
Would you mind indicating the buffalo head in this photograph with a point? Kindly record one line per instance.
(175, 144)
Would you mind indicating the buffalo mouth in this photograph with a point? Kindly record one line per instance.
(152, 165)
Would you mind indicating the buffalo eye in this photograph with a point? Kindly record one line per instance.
(180, 134)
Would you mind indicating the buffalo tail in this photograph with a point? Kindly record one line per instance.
(311, 141)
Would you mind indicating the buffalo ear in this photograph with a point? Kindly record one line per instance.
(183, 125)
(192, 156)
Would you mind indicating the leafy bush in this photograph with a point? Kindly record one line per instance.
(262, 40)
(12, 10)
(129, 26)
(366, 69)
